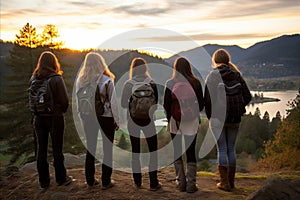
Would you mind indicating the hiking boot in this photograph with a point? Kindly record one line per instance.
(110, 185)
(224, 184)
(67, 181)
(44, 187)
(191, 178)
(180, 176)
(94, 184)
(138, 186)
(231, 176)
(157, 187)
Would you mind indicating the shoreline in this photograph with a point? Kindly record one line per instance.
(263, 100)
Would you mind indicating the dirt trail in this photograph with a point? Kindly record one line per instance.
(24, 185)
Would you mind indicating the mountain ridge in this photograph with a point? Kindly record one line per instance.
(274, 58)
(277, 57)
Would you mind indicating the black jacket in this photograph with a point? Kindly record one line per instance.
(168, 96)
(59, 94)
(226, 74)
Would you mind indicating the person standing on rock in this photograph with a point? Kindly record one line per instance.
(48, 100)
(140, 97)
(226, 95)
(183, 101)
(97, 105)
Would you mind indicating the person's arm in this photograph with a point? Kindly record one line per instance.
(207, 102)
(111, 92)
(246, 92)
(199, 94)
(60, 94)
(167, 101)
(154, 87)
(126, 94)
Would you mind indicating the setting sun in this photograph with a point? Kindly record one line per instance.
(84, 25)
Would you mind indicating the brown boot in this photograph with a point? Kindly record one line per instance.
(231, 176)
(224, 184)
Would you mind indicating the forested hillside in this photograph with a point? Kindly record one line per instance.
(279, 57)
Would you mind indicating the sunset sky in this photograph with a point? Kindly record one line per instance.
(86, 24)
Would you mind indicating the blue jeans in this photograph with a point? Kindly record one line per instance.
(226, 144)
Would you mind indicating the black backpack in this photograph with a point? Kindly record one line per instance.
(40, 96)
(89, 100)
(235, 106)
(142, 99)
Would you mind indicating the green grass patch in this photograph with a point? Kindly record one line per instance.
(207, 174)
(251, 176)
(295, 175)
(160, 114)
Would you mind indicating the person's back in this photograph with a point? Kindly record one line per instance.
(139, 97)
(226, 95)
(52, 122)
(183, 120)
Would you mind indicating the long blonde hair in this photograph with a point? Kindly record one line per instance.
(221, 57)
(94, 66)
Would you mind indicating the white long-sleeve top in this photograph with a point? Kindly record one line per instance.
(108, 93)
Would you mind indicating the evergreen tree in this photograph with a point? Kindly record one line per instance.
(49, 35)
(257, 112)
(265, 126)
(284, 151)
(278, 115)
(266, 117)
(275, 123)
(27, 37)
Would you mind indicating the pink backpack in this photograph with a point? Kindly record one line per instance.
(184, 102)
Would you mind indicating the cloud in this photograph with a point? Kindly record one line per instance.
(220, 9)
(157, 7)
(139, 9)
(254, 8)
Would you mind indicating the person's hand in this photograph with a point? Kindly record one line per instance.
(116, 127)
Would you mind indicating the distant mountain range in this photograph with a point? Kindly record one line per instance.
(278, 57)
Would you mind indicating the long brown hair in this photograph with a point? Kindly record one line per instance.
(47, 64)
(94, 66)
(221, 57)
(138, 67)
(183, 70)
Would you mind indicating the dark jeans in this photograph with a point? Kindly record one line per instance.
(151, 138)
(91, 127)
(55, 126)
(190, 145)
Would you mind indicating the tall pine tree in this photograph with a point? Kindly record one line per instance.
(284, 151)
(49, 37)
(17, 120)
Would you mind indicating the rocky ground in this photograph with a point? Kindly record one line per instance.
(23, 184)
